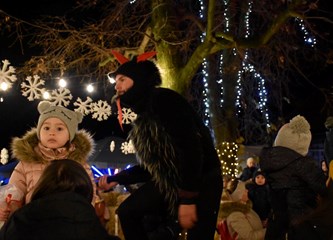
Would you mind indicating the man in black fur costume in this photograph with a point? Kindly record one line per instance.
(177, 160)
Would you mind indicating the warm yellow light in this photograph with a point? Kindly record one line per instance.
(46, 95)
(62, 82)
(4, 86)
(90, 88)
(111, 79)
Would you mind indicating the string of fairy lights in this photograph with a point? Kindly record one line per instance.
(308, 38)
(230, 149)
(206, 100)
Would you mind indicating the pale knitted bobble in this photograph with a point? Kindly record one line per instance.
(299, 125)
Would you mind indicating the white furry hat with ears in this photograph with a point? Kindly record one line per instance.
(69, 117)
(295, 135)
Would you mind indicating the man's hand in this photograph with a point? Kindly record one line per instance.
(104, 185)
(187, 215)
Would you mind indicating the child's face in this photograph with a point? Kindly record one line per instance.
(324, 166)
(54, 133)
(260, 180)
(250, 162)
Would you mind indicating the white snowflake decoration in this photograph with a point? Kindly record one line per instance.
(127, 147)
(61, 97)
(101, 110)
(4, 156)
(7, 75)
(128, 116)
(32, 89)
(83, 107)
(112, 146)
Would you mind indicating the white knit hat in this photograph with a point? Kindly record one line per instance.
(295, 135)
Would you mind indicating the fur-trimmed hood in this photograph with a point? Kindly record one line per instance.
(22, 148)
(228, 207)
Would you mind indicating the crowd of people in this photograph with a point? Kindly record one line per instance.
(282, 194)
(288, 192)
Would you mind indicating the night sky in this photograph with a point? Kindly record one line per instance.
(18, 114)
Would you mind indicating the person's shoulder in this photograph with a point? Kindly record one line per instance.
(167, 93)
(250, 186)
(165, 97)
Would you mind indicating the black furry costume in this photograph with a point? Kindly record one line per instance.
(176, 157)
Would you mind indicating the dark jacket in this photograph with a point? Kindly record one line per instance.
(259, 196)
(168, 134)
(295, 182)
(319, 224)
(59, 216)
(299, 175)
(247, 173)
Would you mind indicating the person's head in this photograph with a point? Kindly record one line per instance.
(63, 176)
(324, 166)
(250, 162)
(57, 125)
(134, 79)
(329, 122)
(295, 135)
(226, 180)
(259, 178)
(240, 194)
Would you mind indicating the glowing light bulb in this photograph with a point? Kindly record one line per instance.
(111, 79)
(4, 86)
(90, 88)
(62, 83)
(46, 95)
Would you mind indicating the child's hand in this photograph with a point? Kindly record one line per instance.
(4, 213)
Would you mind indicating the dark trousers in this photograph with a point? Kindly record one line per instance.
(148, 201)
(145, 201)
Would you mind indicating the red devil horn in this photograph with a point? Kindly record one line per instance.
(121, 59)
(145, 56)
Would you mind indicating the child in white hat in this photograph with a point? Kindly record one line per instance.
(294, 178)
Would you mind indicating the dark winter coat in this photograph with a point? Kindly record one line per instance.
(319, 224)
(64, 215)
(173, 145)
(247, 173)
(259, 196)
(299, 175)
(295, 182)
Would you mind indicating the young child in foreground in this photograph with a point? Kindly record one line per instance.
(56, 137)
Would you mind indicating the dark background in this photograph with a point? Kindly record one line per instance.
(17, 114)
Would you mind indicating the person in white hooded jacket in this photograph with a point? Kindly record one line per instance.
(242, 221)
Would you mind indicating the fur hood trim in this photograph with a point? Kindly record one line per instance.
(23, 147)
(228, 207)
